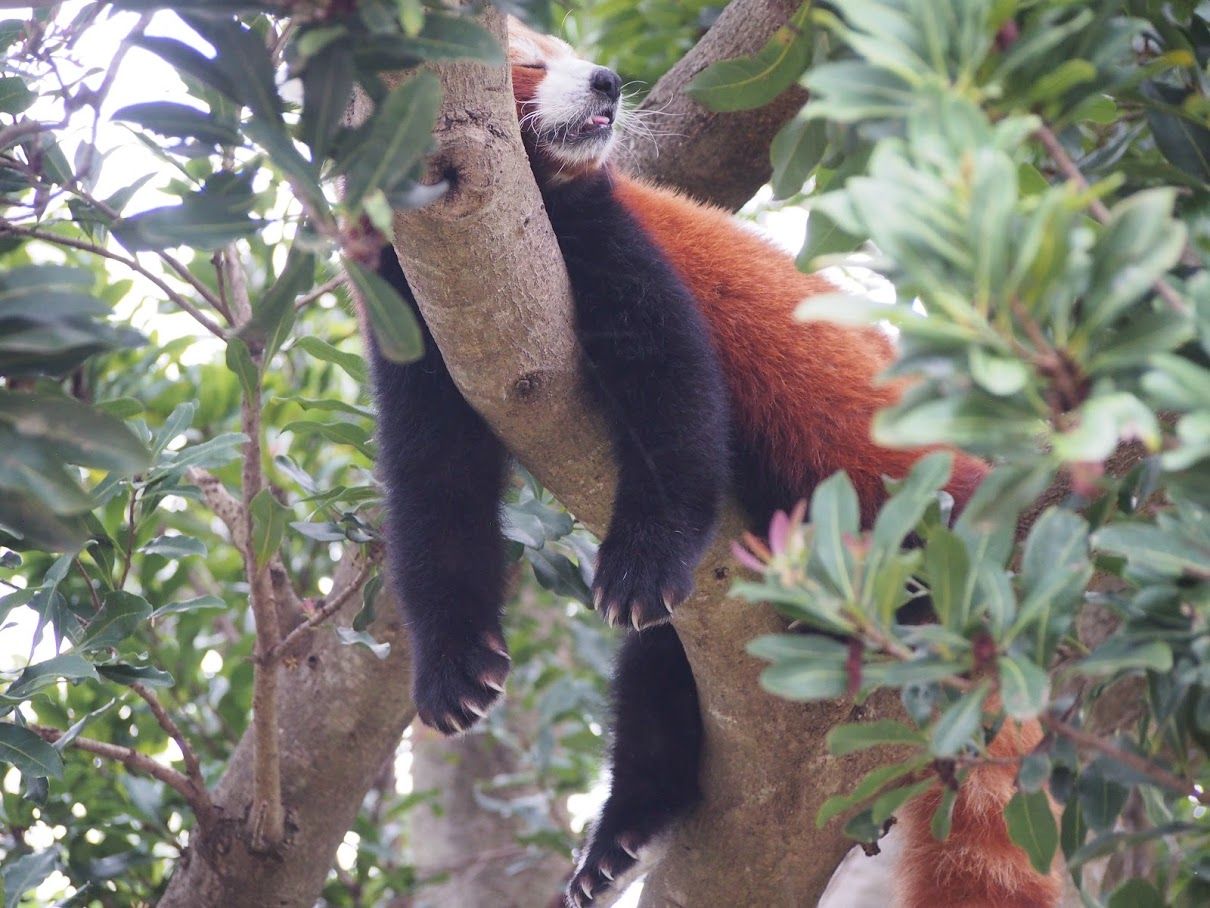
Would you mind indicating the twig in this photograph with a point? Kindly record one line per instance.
(326, 287)
(267, 819)
(323, 613)
(92, 591)
(1059, 154)
(10, 229)
(193, 768)
(1141, 765)
(229, 510)
(197, 798)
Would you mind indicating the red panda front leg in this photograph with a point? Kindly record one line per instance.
(443, 473)
(651, 368)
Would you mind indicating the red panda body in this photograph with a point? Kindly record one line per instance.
(704, 379)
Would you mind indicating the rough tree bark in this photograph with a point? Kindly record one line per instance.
(504, 322)
(719, 158)
(484, 264)
(342, 713)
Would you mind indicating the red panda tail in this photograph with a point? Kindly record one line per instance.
(977, 866)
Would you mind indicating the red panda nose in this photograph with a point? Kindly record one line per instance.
(606, 82)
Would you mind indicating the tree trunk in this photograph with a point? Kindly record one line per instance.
(720, 158)
(484, 265)
(342, 712)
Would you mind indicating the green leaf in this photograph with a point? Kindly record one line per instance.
(273, 311)
(1154, 549)
(26, 873)
(1137, 893)
(806, 679)
(870, 783)
(48, 293)
(15, 97)
(1001, 375)
(28, 752)
(327, 85)
(125, 673)
(243, 59)
(121, 614)
(78, 433)
(743, 83)
(350, 637)
(351, 363)
(70, 666)
(796, 151)
(886, 804)
(903, 511)
(774, 647)
(847, 739)
(1119, 654)
(836, 517)
(1034, 771)
(196, 604)
(399, 137)
(179, 121)
(947, 567)
(203, 221)
(958, 724)
(1023, 686)
(395, 327)
(239, 361)
(175, 546)
(1032, 826)
(943, 816)
(1101, 797)
(269, 520)
(1104, 422)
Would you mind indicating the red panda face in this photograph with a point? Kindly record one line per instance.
(567, 107)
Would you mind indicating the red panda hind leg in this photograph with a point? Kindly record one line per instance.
(978, 865)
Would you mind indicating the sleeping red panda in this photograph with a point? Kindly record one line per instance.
(706, 383)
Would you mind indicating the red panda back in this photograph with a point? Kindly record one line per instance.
(806, 394)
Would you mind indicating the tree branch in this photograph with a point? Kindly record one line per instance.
(1063, 160)
(193, 768)
(196, 796)
(7, 228)
(716, 157)
(486, 270)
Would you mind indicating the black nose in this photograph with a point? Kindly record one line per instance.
(607, 82)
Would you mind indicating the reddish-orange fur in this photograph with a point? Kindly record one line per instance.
(978, 866)
(809, 390)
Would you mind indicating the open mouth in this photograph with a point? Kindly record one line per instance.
(596, 126)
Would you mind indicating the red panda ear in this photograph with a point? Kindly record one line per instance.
(526, 80)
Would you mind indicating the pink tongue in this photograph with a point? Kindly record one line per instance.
(599, 120)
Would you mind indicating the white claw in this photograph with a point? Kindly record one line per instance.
(455, 724)
(630, 851)
(494, 685)
(605, 873)
(586, 888)
(635, 618)
(668, 602)
(474, 708)
(597, 595)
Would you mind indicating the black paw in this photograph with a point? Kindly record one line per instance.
(641, 577)
(607, 858)
(455, 684)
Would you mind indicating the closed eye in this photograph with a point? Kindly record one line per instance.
(541, 66)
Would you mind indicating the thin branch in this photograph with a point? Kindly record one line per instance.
(9, 229)
(92, 590)
(267, 820)
(198, 799)
(326, 287)
(1141, 765)
(1059, 154)
(323, 613)
(193, 768)
(229, 510)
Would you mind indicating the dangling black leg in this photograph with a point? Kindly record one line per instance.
(655, 758)
(444, 472)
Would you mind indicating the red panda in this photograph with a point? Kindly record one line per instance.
(706, 382)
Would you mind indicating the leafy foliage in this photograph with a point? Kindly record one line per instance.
(1044, 229)
(119, 582)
